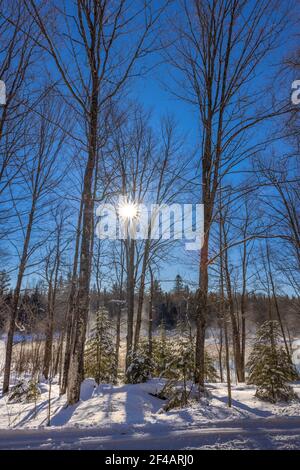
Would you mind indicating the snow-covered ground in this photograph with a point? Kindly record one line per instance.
(276, 433)
(127, 416)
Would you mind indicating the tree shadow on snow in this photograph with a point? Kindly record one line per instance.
(242, 406)
(33, 413)
(65, 413)
(134, 409)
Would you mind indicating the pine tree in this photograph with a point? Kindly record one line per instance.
(4, 283)
(210, 371)
(180, 370)
(184, 349)
(270, 367)
(178, 285)
(5, 298)
(140, 367)
(162, 353)
(161, 350)
(157, 291)
(25, 391)
(100, 358)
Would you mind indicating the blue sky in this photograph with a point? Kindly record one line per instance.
(151, 93)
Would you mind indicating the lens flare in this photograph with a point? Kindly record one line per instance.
(128, 210)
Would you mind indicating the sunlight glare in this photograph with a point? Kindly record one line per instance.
(128, 210)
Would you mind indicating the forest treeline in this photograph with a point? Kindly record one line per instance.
(168, 307)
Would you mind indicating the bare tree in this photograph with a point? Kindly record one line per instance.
(219, 46)
(101, 30)
(18, 56)
(52, 270)
(40, 177)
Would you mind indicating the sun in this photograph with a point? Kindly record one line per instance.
(128, 210)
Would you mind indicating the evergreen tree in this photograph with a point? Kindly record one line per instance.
(25, 391)
(161, 350)
(5, 298)
(270, 367)
(100, 358)
(210, 371)
(178, 287)
(180, 370)
(157, 291)
(140, 367)
(184, 349)
(4, 283)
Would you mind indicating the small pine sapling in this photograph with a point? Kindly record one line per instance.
(162, 351)
(210, 371)
(140, 367)
(270, 367)
(100, 357)
(180, 370)
(25, 391)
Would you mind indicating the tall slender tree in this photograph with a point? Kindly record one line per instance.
(218, 47)
(96, 32)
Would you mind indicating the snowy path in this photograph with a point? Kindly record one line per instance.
(261, 433)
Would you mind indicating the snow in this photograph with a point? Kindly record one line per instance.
(130, 417)
(279, 433)
(123, 407)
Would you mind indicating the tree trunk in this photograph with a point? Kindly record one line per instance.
(141, 297)
(15, 303)
(130, 300)
(150, 317)
(235, 330)
(220, 352)
(75, 375)
(227, 360)
(118, 336)
(71, 308)
(276, 304)
(49, 335)
(243, 305)
(202, 309)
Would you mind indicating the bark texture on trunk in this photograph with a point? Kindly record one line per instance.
(202, 309)
(49, 335)
(75, 375)
(141, 295)
(15, 303)
(130, 301)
